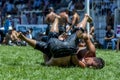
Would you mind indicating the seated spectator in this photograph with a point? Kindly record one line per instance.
(109, 37)
(29, 34)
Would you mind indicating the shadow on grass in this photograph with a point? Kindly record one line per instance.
(69, 66)
(14, 64)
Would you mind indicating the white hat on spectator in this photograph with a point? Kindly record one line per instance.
(8, 16)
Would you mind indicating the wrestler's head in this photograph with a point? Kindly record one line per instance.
(51, 9)
(67, 11)
(74, 11)
(94, 62)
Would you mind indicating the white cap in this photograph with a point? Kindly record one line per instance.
(8, 16)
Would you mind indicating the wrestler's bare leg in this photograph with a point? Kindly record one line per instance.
(90, 46)
(31, 42)
(83, 23)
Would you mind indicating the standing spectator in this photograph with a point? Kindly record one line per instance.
(34, 18)
(79, 5)
(7, 24)
(9, 6)
(28, 18)
(110, 19)
(113, 6)
(28, 5)
(71, 5)
(36, 4)
(15, 10)
(24, 19)
(109, 37)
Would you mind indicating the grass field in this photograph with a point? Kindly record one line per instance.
(24, 63)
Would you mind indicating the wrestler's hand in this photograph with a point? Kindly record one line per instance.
(82, 64)
(20, 35)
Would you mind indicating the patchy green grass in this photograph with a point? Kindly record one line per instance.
(24, 63)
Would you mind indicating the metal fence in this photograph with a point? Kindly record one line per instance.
(99, 10)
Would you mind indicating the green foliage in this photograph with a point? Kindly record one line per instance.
(24, 63)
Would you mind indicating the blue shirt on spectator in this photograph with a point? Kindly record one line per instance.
(7, 25)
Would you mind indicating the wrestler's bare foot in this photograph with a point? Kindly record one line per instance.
(79, 33)
(82, 35)
(89, 18)
(85, 36)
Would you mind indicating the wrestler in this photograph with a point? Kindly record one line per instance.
(60, 52)
(63, 21)
(50, 19)
(75, 20)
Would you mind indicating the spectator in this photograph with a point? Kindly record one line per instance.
(28, 18)
(9, 6)
(7, 24)
(34, 18)
(28, 5)
(36, 4)
(110, 19)
(24, 19)
(20, 6)
(71, 5)
(79, 5)
(113, 6)
(29, 34)
(109, 37)
(15, 10)
(118, 44)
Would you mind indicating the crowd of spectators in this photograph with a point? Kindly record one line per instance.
(102, 7)
(32, 11)
(14, 7)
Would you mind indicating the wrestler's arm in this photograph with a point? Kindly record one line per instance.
(78, 62)
(81, 64)
(74, 19)
(56, 15)
(70, 23)
(73, 22)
